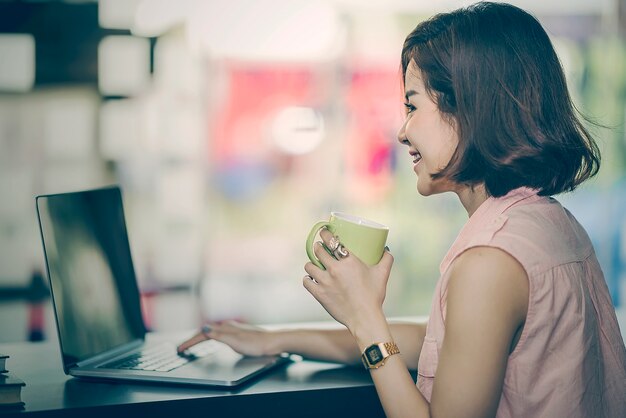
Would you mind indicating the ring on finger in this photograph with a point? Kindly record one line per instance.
(308, 276)
(333, 243)
(341, 252)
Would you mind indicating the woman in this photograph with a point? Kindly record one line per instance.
(521, 322)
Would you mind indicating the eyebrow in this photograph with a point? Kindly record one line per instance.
(408, 94)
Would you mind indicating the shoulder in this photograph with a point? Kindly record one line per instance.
(481, 257)
(541, 235)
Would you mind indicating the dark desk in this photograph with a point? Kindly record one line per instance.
(300, 389)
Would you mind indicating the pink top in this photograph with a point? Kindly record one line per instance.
(570, 360)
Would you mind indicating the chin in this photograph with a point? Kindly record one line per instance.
(424, 189)
(430, 187)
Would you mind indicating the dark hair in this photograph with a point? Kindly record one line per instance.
(492, 69)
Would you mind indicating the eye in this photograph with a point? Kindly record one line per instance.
(409, 108)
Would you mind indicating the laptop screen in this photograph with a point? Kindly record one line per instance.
(94, 290)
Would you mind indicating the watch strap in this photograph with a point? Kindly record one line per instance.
(386, 350)
(391, 348)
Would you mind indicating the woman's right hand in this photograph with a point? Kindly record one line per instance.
(245, 339)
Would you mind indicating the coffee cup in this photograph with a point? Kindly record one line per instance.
(364, 238)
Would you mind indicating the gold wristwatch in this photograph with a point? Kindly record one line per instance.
(376, 354)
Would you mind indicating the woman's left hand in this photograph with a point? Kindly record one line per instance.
(350, 290)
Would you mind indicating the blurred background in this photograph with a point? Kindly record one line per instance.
(232, 126)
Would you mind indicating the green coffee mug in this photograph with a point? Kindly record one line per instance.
(363, 238)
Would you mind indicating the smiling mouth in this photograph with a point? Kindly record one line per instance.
(416, 158)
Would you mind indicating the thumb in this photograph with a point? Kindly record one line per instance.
(386, 262)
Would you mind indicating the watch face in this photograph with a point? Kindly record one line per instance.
(373, 354)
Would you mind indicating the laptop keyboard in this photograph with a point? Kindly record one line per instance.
(158, 359)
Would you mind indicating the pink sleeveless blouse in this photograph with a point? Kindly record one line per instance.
(570, 360)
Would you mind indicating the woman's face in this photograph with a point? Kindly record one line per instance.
(431, 139)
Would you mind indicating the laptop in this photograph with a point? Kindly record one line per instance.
(97, 306)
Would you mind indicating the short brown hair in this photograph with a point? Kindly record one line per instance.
(492, 68)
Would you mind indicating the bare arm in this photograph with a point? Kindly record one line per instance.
(487, 301)
(487, 297)
(340, 346)
(336, 345)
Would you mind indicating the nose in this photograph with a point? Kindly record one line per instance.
(402, 135)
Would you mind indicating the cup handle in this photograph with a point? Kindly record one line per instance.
(309, 243)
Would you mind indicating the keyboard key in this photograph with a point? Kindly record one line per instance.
(161, 359)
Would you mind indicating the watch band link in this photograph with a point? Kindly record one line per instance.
(392, 348)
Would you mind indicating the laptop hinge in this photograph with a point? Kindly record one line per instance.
(111, 354)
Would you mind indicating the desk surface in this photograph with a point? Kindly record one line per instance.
(299, 389)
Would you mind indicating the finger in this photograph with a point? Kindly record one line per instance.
(196, 339)
(321, 253)
(316, 274)
(310, 285)
(313, 270)
(226, 324)
(326, 235)
(386, 262)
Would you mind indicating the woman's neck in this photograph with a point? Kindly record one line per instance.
(472, 197)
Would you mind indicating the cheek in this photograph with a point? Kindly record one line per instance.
(447, 146)
(433, 137)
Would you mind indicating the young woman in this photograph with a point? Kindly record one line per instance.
(521, 322)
